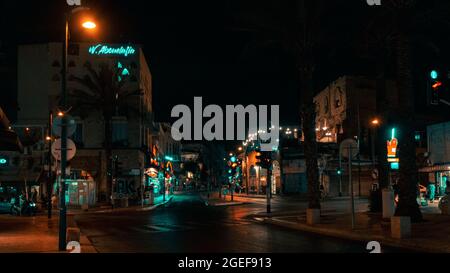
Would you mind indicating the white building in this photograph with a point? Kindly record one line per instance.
(39, 90)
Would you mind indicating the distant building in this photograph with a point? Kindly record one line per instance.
(438, 169)
(39, 89)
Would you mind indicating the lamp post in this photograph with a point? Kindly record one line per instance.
(62, 190)
(49, 159)
(375, 123)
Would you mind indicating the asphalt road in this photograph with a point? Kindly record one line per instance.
(187, 225)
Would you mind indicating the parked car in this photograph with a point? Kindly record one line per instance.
(5, 206)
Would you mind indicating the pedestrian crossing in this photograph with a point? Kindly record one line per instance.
(185, 226)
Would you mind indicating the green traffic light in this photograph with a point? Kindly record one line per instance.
(434, 74)
(233, 159)
(3, 161)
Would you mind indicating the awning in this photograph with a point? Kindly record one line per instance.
(436, 168)
(9, 141)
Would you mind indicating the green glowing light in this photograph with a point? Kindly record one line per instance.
(395, 166)
(125, 72)
(3, 161)
(233, 159)
(393, 133)
(100, 49)
(434, 74)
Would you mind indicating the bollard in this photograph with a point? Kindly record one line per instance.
(400, 227)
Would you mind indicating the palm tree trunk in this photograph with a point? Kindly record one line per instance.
(408, 175)
(308, 117)
(383, 110)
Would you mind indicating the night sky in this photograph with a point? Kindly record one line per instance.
(200, 48)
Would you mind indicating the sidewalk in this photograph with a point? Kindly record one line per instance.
(432, 235)
(34, 235)
(158, 202)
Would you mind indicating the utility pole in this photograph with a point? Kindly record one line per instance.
(359, 150)
(351, 186)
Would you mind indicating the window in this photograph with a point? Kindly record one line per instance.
(326, 105)
(119, 131)
(338, 98)
(77, 137)
(73, 49)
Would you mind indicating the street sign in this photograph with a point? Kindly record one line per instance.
(56, 149)
(73, 2)
(348, 146)
(71, 126)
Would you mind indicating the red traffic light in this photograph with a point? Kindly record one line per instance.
(437, 85)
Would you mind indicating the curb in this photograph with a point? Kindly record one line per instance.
(343, 234)
(225, 204)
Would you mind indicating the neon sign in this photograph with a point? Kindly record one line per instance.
(100, 49)
(392, 151)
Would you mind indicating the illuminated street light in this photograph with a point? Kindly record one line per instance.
(375, 122)
(89, 25)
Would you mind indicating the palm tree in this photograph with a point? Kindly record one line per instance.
(408, 176)
(299, 31)
(399, 28)
(102, 91)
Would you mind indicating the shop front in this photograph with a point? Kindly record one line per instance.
(439, 176)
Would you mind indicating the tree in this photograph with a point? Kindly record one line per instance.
(299, 30)
(408, 175)
(102, 91)
(397, 29)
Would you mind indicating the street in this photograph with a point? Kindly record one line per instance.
(187, 225)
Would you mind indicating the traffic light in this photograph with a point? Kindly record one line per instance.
(339, 171)
(435, 87)
(4, 161)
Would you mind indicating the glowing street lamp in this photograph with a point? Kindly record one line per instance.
(375, 122)
(89, 25)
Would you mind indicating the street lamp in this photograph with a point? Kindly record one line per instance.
(375, 123)
(89, 25)
(63, 210)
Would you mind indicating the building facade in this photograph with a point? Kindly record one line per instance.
(107, 84)
(438, 160)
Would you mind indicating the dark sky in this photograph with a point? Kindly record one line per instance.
(193, 47)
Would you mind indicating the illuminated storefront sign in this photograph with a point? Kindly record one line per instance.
(392, 151)
(101, 49)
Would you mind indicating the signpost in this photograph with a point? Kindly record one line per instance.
(57, 126)
(56, 149)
